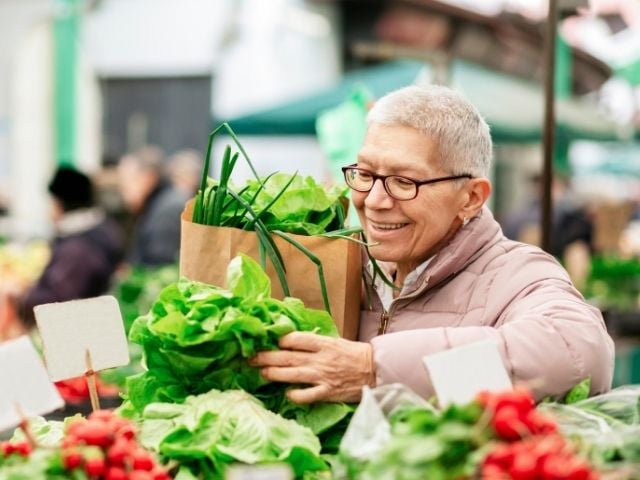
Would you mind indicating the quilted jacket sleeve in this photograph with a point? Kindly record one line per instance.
(548, 336)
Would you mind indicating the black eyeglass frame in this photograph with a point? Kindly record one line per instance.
(383, 178)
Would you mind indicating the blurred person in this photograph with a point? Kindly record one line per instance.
(85, 252)
(184, 170)
(155, 205)
(572, 237)
(420, 186)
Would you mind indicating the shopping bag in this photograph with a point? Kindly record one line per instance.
(206, 251)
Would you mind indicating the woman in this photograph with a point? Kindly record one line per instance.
(419, 187)
(86, 251)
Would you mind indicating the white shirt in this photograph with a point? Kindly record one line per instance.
(385, 292)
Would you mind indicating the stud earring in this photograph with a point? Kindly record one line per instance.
(465, 220)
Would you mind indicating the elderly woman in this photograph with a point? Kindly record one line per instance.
(420, 187)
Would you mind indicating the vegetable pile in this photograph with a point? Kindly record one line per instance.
(75, 390)
(498, 436)
(105, 447)
(211, 431)
(23, 264)
(614, 283)
(529, 446)
(197, 338)
(102, 447)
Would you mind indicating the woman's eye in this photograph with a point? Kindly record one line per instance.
(403, 182)
(364, 176)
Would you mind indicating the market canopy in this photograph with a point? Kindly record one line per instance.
(512, 106)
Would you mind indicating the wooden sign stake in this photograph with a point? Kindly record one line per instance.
(24, 426)
(90, 376)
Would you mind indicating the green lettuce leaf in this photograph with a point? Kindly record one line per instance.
(247, 280)
(210, 431)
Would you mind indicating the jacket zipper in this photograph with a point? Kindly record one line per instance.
(384, 318)
(384, 321)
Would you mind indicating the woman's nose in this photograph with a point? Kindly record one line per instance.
(378, 196)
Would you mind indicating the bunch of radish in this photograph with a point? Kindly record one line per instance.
(104, 446)
(530, 447)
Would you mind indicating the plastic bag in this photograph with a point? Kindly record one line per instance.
(605, 427)
(620, 404)
(369, 430)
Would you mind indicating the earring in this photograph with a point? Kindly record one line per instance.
(465, 220)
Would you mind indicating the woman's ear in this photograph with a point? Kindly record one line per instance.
(477, 191)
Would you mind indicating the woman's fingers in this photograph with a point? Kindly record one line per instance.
(309, 395)
(303, 341)
(290, 374)
(278, 358)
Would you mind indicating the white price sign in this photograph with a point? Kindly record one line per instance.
(25, 389)
(71, 329)
(460, 373)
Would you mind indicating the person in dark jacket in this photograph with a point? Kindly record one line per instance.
(155, 204)
(86, 250)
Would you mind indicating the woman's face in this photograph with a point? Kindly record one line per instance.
(406, 232)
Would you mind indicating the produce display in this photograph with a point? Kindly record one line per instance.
(199, 407)
(497, 436)
(614, 283)
(23, 264)
(102, 447)
(209, 432)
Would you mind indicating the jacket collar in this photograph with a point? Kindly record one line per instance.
(78, 221)
(468, 243)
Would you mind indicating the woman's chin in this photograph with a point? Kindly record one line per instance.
(385, 253)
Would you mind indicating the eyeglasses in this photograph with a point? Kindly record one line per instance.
(396, 186)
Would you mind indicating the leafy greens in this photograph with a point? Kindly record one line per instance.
(210, 431)
(198, 337)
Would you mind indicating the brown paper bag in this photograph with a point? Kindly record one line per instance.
(206, 251)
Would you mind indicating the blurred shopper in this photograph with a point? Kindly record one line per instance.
(86, 250)
(184, 170)
(155, 204)
(572, 238)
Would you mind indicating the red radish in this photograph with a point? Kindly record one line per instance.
(71, 459)
(142, 460)
(95, 466)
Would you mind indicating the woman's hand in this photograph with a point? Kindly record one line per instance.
(336, 369)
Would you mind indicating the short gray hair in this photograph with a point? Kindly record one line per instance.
(462, 135)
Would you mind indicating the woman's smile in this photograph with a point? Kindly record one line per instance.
(385, 230)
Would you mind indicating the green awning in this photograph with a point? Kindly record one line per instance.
(299, 116)
(513, 107)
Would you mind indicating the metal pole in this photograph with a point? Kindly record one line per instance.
(549, 125)
(65, 38)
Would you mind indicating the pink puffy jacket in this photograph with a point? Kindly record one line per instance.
(485, 286)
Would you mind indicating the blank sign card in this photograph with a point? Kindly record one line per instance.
(71, 329)
(460, 373)
(25, 388)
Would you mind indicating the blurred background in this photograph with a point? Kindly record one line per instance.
(85, 82)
